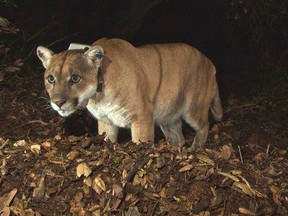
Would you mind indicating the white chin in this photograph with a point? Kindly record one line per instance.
(65, 113)
(82, 104)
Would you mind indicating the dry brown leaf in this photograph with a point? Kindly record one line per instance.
(97, 212)
(88, 181)
(117, 190)
(3, 167)
(156, 195)
(46, 145)
(100, 183)
(162, 193)
(96, 163)
(83, 169)
(225, 152)
(73, 154)
(94, 207)
(96, 188)
(130, 197)
(51, 153)
(176, 198)
(186, 168)
(205, 159)
(86, 189)
(236, 172)
(137, 180)
(18, 207)
(58, 137)
(20, 143)
(5, 201)
(29, 212)
(257, 193)
(260, 157)
(214, 198)
(205, 174)
(234, 178)
(39, 191)
(77, 205)
(141, 173)
(246, 211)
(35, 149)
(247, 190)
(77, 210)
(275, 190)
(57, 161)
(204, 213)
(124, 174)
(272, 171)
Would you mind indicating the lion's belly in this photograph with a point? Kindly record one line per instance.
(110, 113)
(168, 112)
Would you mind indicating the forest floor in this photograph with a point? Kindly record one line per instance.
(56, 166)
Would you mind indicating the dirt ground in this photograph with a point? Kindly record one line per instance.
(56, 166)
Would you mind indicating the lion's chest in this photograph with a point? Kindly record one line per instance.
(110, 113)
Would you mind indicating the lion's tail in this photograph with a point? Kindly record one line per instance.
(216, 105)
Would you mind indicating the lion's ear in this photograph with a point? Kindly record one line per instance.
(44, 55)
(95, 54)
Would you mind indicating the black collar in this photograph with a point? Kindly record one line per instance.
(100, 80)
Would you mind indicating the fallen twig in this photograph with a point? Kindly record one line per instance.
(241, 106)
(4, 144)
(24, 124)
(240, 153)
(61, 39)
(42, 31)
(130, 177)
(268, 148)
(135, 169)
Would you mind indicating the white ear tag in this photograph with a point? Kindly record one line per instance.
(76, 46)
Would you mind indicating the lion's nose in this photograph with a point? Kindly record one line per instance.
(60, 103)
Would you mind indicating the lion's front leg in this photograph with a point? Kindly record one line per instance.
(111, 131)
(142, 131)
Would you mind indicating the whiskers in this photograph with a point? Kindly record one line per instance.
(44, 103)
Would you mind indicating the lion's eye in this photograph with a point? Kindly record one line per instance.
(75, 78)
(51, 79)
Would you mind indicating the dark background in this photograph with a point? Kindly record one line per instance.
(246, 39)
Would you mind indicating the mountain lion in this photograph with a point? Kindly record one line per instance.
(125, 86)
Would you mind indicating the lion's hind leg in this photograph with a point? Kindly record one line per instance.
(201, 126)
(173, 132)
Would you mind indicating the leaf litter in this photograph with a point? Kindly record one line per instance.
(126, 179)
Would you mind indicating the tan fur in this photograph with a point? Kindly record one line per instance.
(142, 86)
